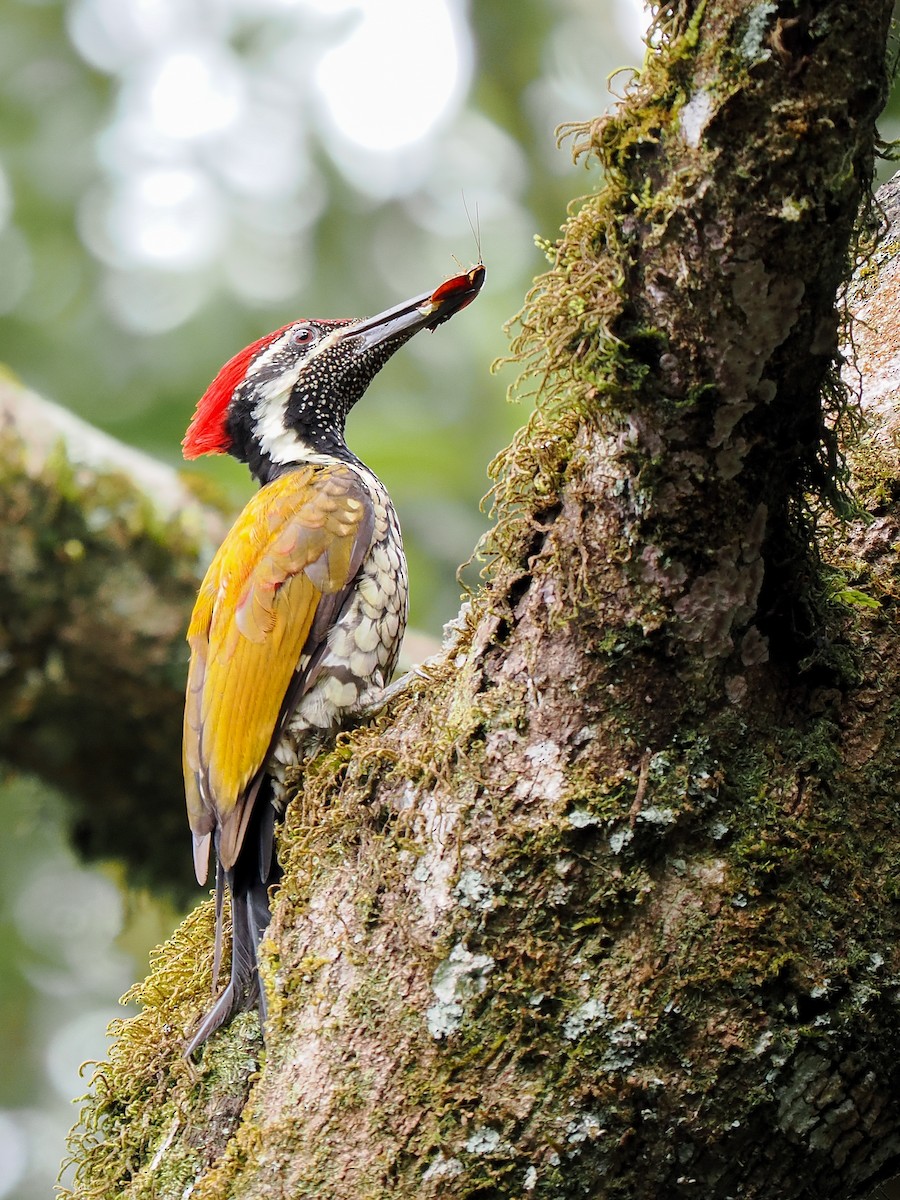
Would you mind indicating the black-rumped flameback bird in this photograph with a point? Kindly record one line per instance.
(299, 620)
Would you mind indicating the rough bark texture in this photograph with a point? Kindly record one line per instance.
(607, 904)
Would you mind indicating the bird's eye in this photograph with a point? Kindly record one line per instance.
(303, 335)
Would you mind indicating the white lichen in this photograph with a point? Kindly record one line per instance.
(694, 118)
(753, 43)
(454, 630)
(622, 1039)
(620, 839)
(580, 818)
(547, 777)
(443, 1168)
(585, 1128)
(435, 868)
(657, 816)
(473, 891)
(457, 979)
(624, 1042)
(588, 1016)
(483, 1140)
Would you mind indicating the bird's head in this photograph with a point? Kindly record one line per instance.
(285, 398)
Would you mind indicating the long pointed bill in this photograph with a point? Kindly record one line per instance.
(422, 312)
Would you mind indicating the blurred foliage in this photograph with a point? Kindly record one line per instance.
(144, 239)
(135, 259)
(100, 314)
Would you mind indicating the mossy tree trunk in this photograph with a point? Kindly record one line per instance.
(606, 904)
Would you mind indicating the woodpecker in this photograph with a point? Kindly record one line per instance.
(299, 619)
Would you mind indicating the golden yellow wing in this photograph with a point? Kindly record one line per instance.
(302, 537)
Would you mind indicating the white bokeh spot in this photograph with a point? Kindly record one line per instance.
(193, 93)
(395, 75)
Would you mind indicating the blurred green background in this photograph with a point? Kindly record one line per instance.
(177, 177)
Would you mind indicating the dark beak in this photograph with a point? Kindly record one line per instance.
(422, 312)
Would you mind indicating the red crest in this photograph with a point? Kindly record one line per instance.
(206, 433)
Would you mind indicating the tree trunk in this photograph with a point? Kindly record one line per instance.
(606, 904)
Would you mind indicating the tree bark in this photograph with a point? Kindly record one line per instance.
(606, 905)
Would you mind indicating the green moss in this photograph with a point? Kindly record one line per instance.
(570, 354)
(142, 1097)
(669, 913)
(755, 871)
(741, 954)
(96, 586)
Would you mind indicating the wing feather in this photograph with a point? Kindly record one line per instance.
(301, 537)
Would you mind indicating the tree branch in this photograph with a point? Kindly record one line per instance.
(101, 554)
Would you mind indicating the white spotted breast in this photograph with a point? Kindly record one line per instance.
(362, 646)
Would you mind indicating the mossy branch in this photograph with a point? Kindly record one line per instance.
(101, 553)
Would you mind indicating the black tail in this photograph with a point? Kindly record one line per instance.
(255, 871)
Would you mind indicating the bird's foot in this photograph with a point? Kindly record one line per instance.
(393, 690)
